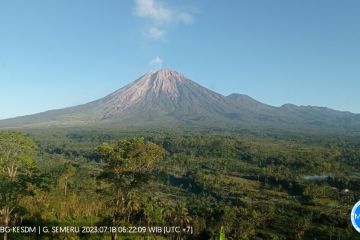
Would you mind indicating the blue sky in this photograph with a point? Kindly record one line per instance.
(56, 54)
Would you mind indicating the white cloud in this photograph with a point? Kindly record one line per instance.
(156, 63)
(153, 10)
(155, 33)
(160, 16)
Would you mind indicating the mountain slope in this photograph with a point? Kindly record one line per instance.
(168, 98)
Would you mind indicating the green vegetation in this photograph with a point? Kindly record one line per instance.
(238, 185)
(128, 167)
(16, 158)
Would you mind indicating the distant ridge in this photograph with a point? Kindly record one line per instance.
(168, 98)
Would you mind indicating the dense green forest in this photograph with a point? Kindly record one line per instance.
(241, 185)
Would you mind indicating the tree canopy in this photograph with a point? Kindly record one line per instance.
(16, 153)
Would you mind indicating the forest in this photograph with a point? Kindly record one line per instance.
(84, 183)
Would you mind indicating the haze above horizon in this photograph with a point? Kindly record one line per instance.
(56, 54)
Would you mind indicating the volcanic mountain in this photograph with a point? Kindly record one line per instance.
(168, 98)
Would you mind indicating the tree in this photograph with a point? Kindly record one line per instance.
(16, 161)
(180, 217)
(65, 177)
(129, 164)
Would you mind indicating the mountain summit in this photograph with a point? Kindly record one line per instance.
(164, 86)
(164, 96)
(168, 98)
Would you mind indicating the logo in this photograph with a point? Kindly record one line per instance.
(355, 216)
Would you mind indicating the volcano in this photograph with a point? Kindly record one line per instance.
(168, 98)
